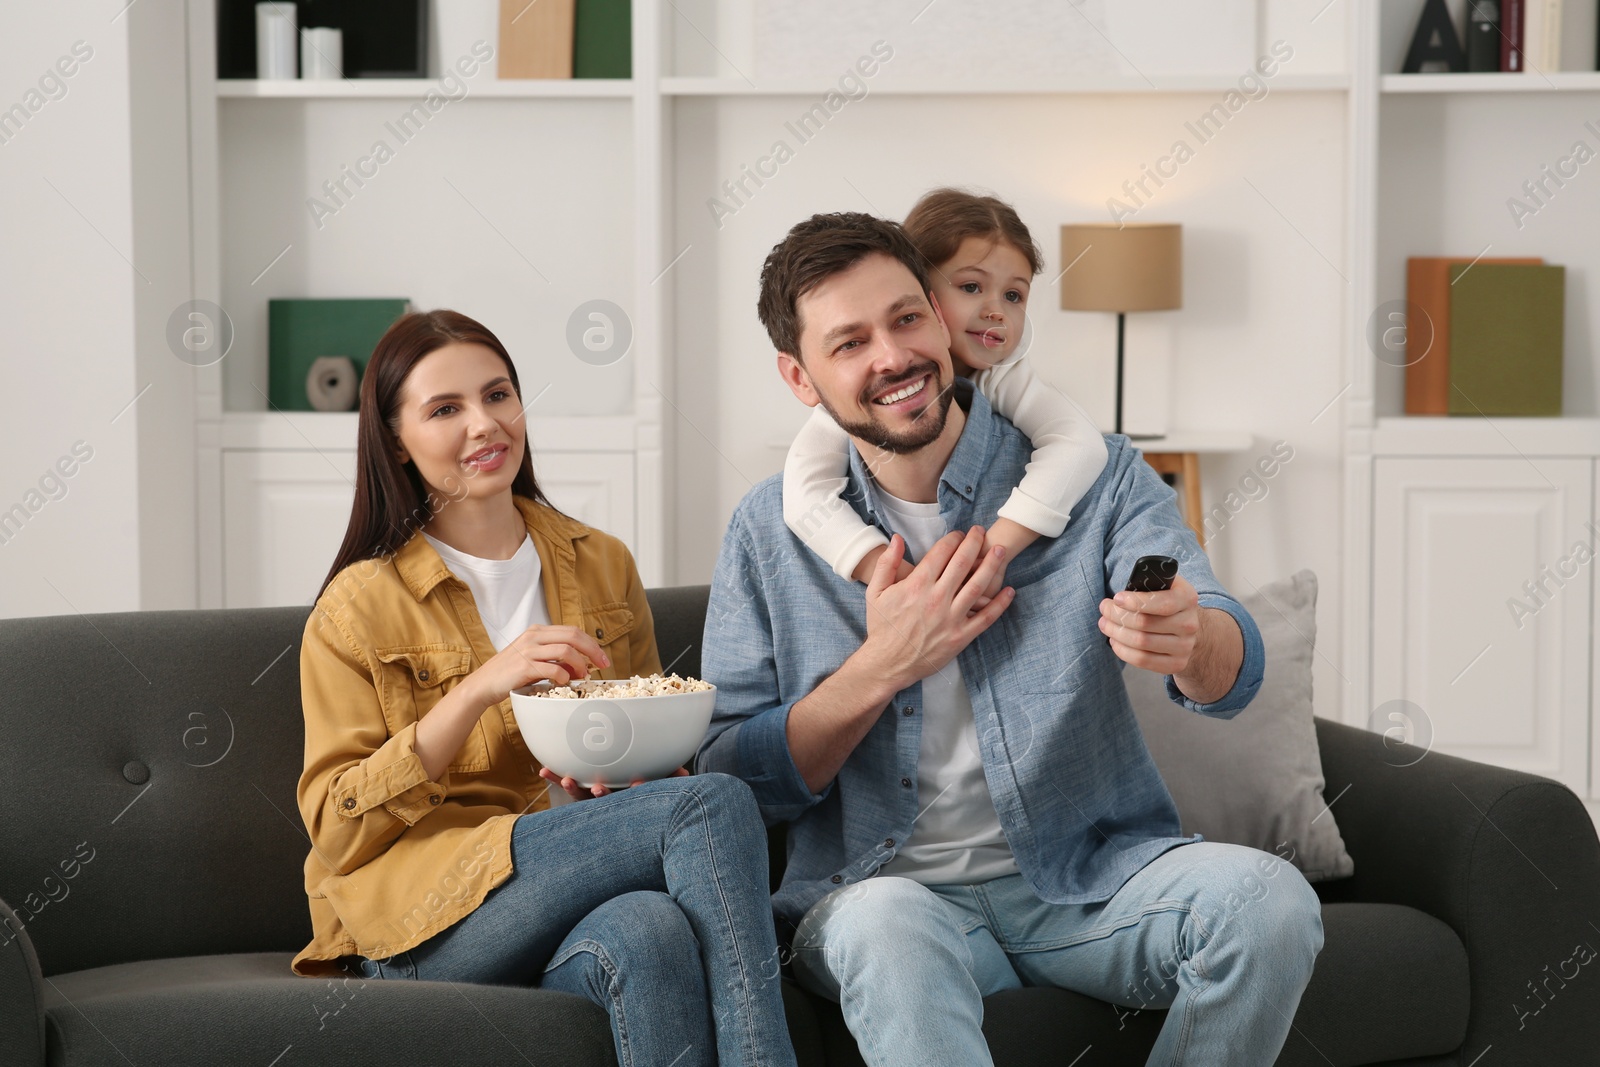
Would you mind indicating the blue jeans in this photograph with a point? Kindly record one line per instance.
(653, 903)
(1222, 935)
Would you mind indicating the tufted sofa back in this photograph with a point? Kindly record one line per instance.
(149, 762)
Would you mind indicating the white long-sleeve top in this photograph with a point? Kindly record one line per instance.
(1068, 455)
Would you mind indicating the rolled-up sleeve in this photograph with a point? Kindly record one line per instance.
(361, 788)
(748, 736)
(1251, 669)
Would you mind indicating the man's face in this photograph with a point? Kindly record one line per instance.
(875, 353)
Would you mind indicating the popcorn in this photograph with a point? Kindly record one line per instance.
(654, 685)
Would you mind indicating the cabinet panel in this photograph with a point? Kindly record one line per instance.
(285, 513)
(596, 488)
(283, 517)
(1481, 605)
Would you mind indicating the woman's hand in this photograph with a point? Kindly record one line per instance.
(578, 792)
(555, 653)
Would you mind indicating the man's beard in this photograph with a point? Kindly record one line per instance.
(925, 427)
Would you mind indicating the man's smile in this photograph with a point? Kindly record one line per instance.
(903, 393)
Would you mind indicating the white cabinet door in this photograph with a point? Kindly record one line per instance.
(285, 513)
(596, 488)
(1499, 668)
(283, 517)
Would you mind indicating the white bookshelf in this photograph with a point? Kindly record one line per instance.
(1435, 158)
(379, 88)
(1084, 86)
(1564, 81)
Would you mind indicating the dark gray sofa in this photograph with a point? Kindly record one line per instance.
(150, 856)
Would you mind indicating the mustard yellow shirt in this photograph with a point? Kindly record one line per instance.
(395, 857)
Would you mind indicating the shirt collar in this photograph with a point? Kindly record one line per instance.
(961, 470)
(419, 565)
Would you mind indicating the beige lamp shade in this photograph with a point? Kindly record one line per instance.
(1122, 267)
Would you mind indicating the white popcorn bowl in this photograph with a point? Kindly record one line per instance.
(610, 741)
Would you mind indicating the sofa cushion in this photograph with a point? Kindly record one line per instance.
(1255, 779)
(1390, 985)
(249, 1008)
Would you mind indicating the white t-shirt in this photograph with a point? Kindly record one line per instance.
(508, 592)
(957, 838)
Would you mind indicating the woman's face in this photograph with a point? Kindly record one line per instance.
(461, 422)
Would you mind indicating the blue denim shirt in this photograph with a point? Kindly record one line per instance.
(1078, 796)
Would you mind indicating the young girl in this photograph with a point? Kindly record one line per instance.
(434, 852)
(984, 264)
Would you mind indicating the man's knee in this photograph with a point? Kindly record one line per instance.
(1267, 902)
(877, 915)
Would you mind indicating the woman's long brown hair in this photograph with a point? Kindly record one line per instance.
(392, 503)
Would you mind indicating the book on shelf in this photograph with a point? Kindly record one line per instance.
(1506, 329)
(602, 44)
(1513, 16)
(1483, 36)
(299, 332)
(1541, 35)
(536, 38)
(1428, 341)
(566, 39)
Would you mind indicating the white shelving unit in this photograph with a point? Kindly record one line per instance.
(1450, 522)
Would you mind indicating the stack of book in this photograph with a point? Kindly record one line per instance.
(1531, 35)
(565, 39)
(1483, 337)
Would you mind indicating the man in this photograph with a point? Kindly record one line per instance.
(970, 804)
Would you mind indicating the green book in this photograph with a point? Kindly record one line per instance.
(602, 39)
(298, 331)
(1505, 339)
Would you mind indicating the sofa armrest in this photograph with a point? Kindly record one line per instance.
(21, 994)
(1509, 860)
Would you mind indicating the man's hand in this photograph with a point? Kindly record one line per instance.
(916, 625)
(1169, 633)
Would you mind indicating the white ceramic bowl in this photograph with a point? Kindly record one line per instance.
(611, 741)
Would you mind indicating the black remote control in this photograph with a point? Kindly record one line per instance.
(1151, 574)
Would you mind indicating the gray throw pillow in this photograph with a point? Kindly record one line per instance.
(1254, 779)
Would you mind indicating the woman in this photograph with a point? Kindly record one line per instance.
(435, 852)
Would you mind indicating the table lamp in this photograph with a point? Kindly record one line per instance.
(1124, 267)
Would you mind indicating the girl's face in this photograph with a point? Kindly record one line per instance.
(983, 292)
(461, 422)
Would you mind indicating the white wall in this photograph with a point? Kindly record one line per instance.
(83, 282)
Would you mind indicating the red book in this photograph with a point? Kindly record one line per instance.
(1512, 16)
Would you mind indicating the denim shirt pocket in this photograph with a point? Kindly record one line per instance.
(412, 679)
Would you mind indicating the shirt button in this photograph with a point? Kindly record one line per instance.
(599, 634)
(906, 782)
(349, 802)
(434, 798)
(888, 842)
(836, 879)
(969, 489)
(906, 710)
(422, 675)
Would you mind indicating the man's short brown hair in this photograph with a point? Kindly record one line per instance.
(814, 251)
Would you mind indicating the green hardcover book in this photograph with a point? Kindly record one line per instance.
(1505, 339)
(602, 44)
(298, 331)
